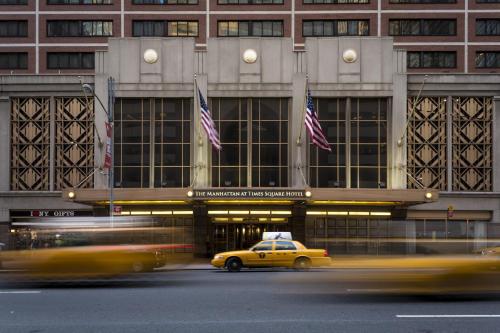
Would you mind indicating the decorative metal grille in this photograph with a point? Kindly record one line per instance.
(426, 165)
(74, 142)
(30, 140)
(472, 144)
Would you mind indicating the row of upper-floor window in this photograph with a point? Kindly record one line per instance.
(231, 2)
(264, 28)
(85, 60)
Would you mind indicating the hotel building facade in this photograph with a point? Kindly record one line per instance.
(406, 92)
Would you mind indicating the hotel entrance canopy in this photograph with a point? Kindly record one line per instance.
(257, 196)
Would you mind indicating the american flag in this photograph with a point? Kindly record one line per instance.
(313, 127)
(208, 123)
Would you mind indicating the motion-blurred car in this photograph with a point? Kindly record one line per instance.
(276, 253)
(432, 275)
(86, 261)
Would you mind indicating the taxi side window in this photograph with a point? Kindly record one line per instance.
(285, 246)
(264, 246)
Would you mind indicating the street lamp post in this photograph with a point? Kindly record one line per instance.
(109, 112)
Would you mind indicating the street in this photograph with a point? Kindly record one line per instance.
(205, 300)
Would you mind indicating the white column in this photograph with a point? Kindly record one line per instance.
(201, 146)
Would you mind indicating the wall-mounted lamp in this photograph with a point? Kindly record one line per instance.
(71, 195)
(428, 195)
(250, 56)
(150, 56)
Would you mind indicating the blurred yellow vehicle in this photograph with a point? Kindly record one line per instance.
(85, 261)
(273, 253)
(419, 275)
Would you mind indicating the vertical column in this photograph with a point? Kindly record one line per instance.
(37, 36)
(201, 237)
(52, 143)
(348, 110)
(298, 150)
(201, 145)
(100, 118)
(4, 144)
(298, 222)
(411, 235)
(449, 143)
(399, 122)
(496, 142)
(4, 165)
(480, 235)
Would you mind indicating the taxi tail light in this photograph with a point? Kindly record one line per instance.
(325, 254)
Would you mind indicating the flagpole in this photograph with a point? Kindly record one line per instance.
(304, 106)
(197, 101)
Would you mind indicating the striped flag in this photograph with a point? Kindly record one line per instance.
(208, 123)
(313, 127)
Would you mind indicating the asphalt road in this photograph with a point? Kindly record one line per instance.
(249, 301)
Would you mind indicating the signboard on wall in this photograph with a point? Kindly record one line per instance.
(50, 213)
(285, 194)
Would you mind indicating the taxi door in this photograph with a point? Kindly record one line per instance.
(261, 255)
(284, 254)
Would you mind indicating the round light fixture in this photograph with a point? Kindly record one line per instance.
(71, 195)
(190, 194)
(150, 56)
(349, 56)
(428, 195)
(308, 194)
(249, 56)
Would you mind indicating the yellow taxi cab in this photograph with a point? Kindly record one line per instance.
(86, 261)
(273, 253)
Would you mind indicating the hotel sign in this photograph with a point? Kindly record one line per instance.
(286, 194)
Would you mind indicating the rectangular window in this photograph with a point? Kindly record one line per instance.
(325, 28)
(254, 138)
(368, 146)
(70, 60)
(432, 59)
(152, 142)
(79, 2)
(488, 1)
(250, 2)
(335, 1)
(13, 2)
(172, 135)
(488, 27)
(165, 2)
(250, 28)
(328, 169)
(423, 27)
(66, 28)
(13, 28)
(488, 59)
(14, 60)
(165, 28)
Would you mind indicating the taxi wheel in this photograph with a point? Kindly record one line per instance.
(302, 264)
(233, 265)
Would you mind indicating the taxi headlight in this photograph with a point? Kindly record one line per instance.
(218, 256)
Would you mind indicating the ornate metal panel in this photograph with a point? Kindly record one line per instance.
(472, 144)
(426, 165)
(74, 142)
(30, 144)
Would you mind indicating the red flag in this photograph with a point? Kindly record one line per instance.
(107, 157)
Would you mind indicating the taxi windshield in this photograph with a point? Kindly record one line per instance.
(262, 246)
